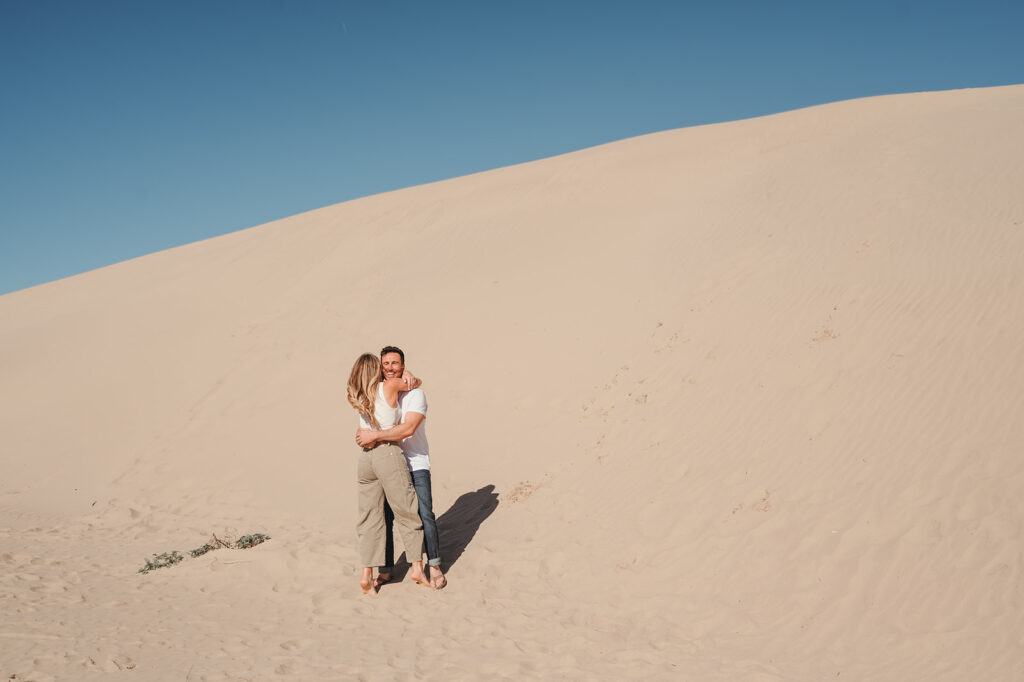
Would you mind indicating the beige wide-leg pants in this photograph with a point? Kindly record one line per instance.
(383, 474)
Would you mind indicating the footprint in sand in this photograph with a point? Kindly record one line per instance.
(109, 664)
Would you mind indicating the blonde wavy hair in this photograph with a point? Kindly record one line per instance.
(362, 386)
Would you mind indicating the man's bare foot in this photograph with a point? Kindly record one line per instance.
(437, 579)
(381, 580)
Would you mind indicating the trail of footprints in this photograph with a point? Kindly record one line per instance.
(620, 398)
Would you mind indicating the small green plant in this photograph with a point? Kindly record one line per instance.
(200, 551)
(161, 561)
(247, 541)
(172, 558)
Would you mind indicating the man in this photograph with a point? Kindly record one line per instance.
(411, 436)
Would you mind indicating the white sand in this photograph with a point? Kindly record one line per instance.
(748, 396)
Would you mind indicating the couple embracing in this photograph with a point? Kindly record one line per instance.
(393, 470)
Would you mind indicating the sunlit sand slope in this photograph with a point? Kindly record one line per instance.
(735, 402)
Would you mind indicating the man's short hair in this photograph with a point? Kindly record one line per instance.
(392, 349)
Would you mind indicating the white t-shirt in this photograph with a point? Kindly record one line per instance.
(415, 447)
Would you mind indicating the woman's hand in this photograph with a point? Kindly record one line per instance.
(410, 381)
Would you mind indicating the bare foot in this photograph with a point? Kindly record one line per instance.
(417, 575)
(381, 580)
(366, 582)
(437, 579)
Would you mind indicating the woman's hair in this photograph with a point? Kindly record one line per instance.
(362, 386)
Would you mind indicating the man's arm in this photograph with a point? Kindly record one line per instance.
(368, 438)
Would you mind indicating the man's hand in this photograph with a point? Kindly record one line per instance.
(395, 434)
(365, 438)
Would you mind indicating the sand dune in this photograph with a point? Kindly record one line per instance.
(734, 402)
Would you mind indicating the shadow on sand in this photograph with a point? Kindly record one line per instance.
(457, 526)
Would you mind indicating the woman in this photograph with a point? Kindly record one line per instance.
(383, 473)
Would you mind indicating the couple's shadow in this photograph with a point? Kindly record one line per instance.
(457, 526)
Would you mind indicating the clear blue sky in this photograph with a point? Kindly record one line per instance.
(130, 127)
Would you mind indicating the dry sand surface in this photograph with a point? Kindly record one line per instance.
(734, 402)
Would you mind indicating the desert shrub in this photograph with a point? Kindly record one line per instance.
(161, 561)
(172, 558)
(247, 541)
(200, 551)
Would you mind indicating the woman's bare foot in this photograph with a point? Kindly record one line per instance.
(437, 579)
(366, 582)
(417, 574)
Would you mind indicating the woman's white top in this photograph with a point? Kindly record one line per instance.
(386, 415)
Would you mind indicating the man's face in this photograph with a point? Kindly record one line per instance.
(392, 365)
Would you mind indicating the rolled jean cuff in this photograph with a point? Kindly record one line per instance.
(436, 563)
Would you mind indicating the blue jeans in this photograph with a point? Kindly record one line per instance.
(421, 482)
